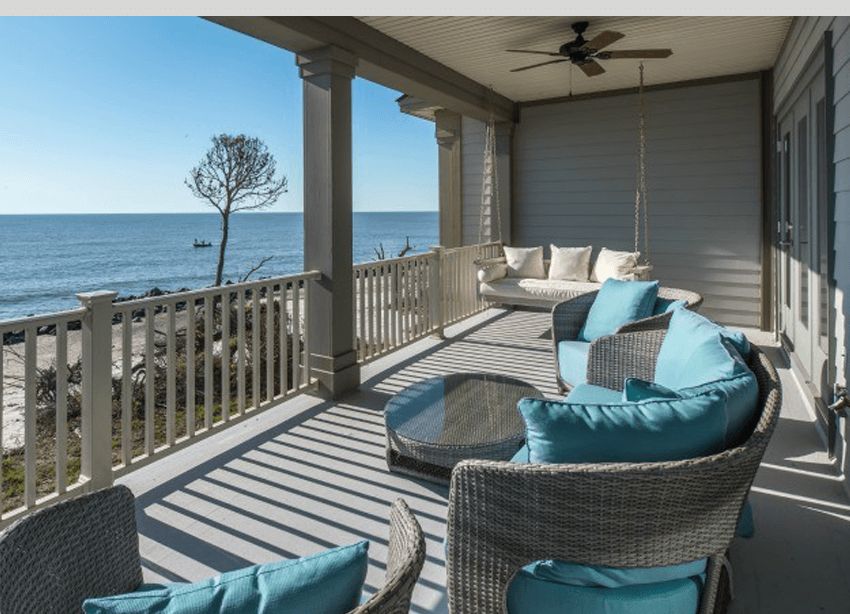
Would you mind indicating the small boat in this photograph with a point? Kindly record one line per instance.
(197, 243)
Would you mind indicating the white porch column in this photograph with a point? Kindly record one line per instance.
(327, 75)
(448, 134)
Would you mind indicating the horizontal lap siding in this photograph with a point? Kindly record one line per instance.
(805, 36)
(575, 180)
(472, 165)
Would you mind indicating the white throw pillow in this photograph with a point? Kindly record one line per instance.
(570, 263)
(525, 262)
(492, 272)
(619, 265)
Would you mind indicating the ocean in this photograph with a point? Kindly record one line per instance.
(46, 259)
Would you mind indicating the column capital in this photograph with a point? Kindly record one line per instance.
(447, 127)
(328, 60)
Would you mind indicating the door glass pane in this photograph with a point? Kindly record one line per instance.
(802, 220)
(822, 264)
(785, 235)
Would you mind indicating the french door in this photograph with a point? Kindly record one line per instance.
(802, 234)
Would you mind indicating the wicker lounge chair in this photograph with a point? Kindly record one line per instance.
(569, 316)
(55, 558)
(503, 516)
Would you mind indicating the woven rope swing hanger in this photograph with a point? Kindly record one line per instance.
(489, 186)
(641, 200)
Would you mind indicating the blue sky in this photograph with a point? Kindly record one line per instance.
(107, 115)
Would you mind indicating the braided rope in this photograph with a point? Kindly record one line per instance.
(641, 201)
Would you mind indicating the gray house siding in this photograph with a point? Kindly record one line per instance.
(472, 165)
(575, 181)
(805, 35)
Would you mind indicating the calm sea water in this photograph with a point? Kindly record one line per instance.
(46, 259)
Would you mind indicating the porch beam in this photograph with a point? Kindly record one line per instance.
(382, 59)
(327, 73)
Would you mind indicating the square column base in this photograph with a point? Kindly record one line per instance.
(336, 375)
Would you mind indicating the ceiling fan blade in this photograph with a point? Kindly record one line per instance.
(591, 68)
(621, 54)
(603, 39)
(540, 64)
(531, 51)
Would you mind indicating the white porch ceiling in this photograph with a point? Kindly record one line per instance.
(475, 47)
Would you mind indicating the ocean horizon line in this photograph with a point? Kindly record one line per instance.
(195, 213)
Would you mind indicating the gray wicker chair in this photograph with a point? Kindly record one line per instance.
(503, 516)
(55, 558)
(569, 316)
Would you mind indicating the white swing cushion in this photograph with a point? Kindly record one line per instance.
(570, 263)
(525, 262)
(617, 265)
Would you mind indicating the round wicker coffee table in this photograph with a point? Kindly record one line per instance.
(435, 423)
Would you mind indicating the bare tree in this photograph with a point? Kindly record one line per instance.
(238, 173)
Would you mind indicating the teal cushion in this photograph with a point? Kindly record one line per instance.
(618, 302)
(611, 577)
(739, 384)
(655, 430)
(572, 361)
(746, 522)
(635, 389)
(529, 595)
(588, 394)
(663, 305)
(330, 582)
(521, 455)
(689, 354)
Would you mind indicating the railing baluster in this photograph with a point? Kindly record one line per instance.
(171, 375)
(256, 356)
(269, 343)
(150, 377)
(190, 367)
(306, 314)
(61, 407)
(209, 309)
(126, 387)
(240, 351)
(30, 416)
(370, 311)
(284, 343)
(382, 308)
(2, 358)
(225, 357)
(296, 335)
(362, 340)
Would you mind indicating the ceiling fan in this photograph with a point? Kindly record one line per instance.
(584, 53)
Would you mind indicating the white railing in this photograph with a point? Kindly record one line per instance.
(402, 300)
(97, 391)
(460, 280)
(156, 373)
(34, 372)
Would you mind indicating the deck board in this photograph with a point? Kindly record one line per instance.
(311, 474)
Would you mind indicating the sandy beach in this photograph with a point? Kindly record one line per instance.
(13, 368)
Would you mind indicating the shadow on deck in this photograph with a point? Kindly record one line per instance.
(310, 474)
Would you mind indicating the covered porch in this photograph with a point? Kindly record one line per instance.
(283, 455)
(311, 474)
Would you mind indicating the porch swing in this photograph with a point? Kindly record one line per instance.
(490, 203)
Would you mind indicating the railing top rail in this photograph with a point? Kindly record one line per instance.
(42, 319)
(473, 246)
(377, 263)
(213, 291)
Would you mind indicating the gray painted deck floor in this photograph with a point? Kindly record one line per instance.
(311, 474)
